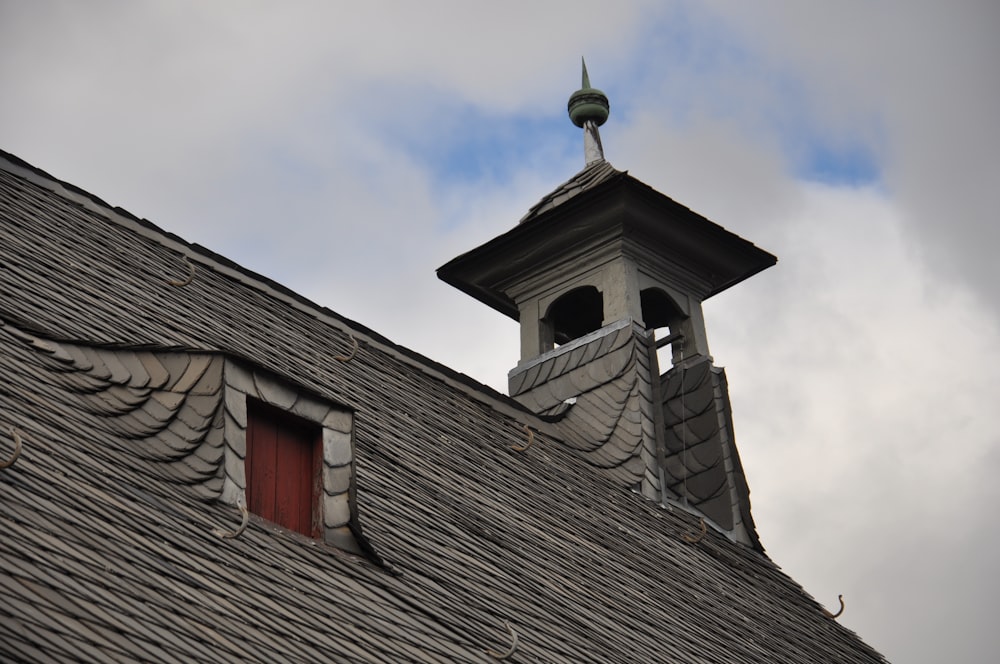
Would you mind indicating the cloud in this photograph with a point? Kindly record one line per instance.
(348, 151)
(859, 386)
(917, 80)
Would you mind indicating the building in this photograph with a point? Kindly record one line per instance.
(201, 465)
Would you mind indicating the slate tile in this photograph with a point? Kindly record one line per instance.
(210, 379)
(310, 409)
(436, 475)
(174, 365)
(154, 369)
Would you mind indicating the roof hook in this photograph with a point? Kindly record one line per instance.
(229, 534)
(513, 644)
(531, 439)
(354, 351)
(694, 539)
(17, 450)
(184, 282)
(840, 598)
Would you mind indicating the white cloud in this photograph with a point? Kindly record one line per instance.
(861, 392)
(861, 367)
(918, 80)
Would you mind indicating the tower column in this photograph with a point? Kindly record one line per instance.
(621, 289)
(695, 341)
(533, 332)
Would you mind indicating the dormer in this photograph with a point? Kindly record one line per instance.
(222, 428)
(591, 272)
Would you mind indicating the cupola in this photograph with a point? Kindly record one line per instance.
(591, 272)
(605, 247)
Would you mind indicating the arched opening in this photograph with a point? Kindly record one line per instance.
(659, 310)
(578, 312)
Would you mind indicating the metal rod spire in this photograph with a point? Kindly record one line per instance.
(588, 109)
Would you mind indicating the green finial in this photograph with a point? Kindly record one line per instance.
(588, 103)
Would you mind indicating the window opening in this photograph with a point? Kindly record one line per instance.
(659, 309)
(660, 312)
(283, 461)
(578, 312)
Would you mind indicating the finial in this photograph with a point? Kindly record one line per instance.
(588, 109)
(588, 103)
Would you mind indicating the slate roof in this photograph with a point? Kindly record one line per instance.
(593, 175)
(602, 204)
(607, 375)
(702, 462)
(104, 560)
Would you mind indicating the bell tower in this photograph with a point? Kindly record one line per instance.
(593, 272)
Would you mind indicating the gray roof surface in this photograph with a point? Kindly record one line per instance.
(104, 560)
(593, 175)
(702, 462)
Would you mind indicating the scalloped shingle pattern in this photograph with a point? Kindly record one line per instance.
(104, 560)
(702, 463)
(611, 419)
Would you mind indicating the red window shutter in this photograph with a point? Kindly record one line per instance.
(282, 468)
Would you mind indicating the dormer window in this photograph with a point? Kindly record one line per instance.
(284, 456)
(290, 456)
(225, 430)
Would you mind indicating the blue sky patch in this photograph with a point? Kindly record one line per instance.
(484, 146)
(501, 145)
(851, 165)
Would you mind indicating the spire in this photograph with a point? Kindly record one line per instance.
(588, 109)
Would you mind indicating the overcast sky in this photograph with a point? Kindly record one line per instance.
(348, 149)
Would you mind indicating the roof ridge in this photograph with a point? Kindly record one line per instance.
(590, 175)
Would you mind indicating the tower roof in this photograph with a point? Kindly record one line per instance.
(603, 201)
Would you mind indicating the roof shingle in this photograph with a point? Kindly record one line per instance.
(104, 560)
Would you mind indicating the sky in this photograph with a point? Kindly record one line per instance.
(347, 150)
